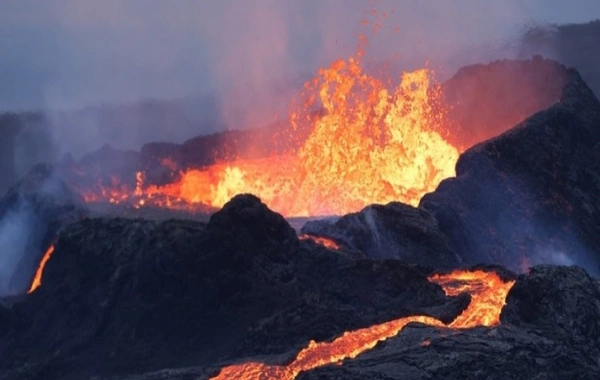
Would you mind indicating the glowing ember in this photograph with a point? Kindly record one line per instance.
(488, 293)
(370, 145)
(325, 242)
(37, 280)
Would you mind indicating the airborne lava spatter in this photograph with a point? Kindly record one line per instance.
(488, 294)
(369, 145)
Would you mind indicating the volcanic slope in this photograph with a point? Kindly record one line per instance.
(123, 296)
(525, 197)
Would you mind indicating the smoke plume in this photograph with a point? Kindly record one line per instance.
(19, 240)
(226, 64)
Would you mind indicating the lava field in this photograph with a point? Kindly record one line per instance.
(423, 231)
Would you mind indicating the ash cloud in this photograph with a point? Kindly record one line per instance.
(249, 59)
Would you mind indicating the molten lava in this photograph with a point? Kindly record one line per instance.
(488, 294)
(37, 280)
(325, 242)
(370, 144)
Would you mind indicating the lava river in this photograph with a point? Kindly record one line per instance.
(488, 294)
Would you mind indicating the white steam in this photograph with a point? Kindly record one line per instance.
(17, 237)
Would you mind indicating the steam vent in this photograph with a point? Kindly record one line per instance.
(402, 226)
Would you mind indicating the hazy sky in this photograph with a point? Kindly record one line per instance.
(63, 53)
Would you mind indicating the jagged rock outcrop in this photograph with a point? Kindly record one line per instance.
(529, 193)
(561, 302)
(525, 197)
(124, 296)
(391, 231)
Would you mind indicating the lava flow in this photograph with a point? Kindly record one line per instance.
(37, 280)
(488, 294)
(370, 144)
(325, 242)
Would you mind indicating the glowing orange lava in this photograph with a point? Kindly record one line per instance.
(325, 242)
(370, 145)
(37, 280)
(488, 294)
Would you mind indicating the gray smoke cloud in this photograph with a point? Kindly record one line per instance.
(250, 58)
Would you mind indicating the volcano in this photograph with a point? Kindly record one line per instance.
(461, 241)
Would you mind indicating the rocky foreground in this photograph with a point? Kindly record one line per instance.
(123, 296)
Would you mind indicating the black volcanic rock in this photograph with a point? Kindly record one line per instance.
(523, 198)
(562, 302)
(393, 231)
(124, 296)
(246, 219)
(530, 192)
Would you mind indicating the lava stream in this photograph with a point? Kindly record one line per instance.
(37, 280)
(325, 242)
(488, 294)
